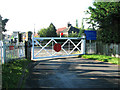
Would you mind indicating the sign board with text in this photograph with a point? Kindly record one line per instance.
(90, 35)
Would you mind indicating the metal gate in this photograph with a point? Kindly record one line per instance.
(47, 47)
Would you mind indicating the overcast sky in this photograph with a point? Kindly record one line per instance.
(23, 14)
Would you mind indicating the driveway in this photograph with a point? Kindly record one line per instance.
(72, 72)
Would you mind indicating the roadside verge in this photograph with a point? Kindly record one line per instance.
(14, 73)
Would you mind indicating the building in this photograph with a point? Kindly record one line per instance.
(60, 30)
(67, 30)
(18, 36)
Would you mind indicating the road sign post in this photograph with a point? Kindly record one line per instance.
(61, 34)
(90, 35)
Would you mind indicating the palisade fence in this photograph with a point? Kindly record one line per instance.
(91, 48)
(108, 49)
(103, 49)
(11, 51)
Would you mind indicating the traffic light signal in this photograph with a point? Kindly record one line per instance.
(20, 37)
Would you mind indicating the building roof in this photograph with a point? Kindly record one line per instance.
(60, 29)
(67, 29)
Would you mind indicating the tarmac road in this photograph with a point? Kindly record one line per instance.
(72, 72)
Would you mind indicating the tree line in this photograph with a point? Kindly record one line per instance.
(51, 32)
(48, 32)
(104, 18)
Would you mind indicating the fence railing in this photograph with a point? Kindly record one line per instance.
(103, 49)
(91, 48)
(108, 49)
(11, 51)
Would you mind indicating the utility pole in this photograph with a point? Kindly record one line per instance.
(34, 29)
(82, 25)
(76, 23)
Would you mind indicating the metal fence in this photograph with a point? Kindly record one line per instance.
(91, 48)
(111, 49)
(11, 51)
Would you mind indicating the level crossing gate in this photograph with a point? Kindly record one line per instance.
(54, 47)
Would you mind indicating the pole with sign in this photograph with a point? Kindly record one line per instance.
(90, 35)
(61, 34)
(90, 46)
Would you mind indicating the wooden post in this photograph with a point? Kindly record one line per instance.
(4, 52)
(26, 49)
(119, 50)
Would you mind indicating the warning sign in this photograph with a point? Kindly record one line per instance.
(57, 47)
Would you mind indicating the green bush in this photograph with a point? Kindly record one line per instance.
(12, 72)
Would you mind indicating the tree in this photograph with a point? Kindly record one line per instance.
(48, 32)
(51, 31)
(4, 24)
(81, 32)
(42, 32)
(106, 16)
(73, 35)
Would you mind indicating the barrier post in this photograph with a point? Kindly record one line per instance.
(83, 44)
(29, 44)
(4, 53)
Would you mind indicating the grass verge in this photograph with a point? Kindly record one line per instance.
(103, 58)
(13, 71)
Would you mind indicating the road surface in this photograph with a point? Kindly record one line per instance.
(72, 72)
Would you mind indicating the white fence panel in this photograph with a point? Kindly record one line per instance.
(12, 51)
(91, 48)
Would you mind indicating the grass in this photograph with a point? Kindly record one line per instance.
(103, 58)
(12, 72)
